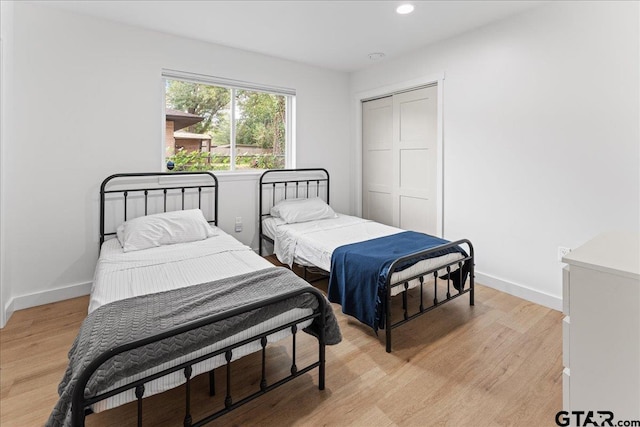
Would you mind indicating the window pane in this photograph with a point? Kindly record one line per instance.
(197, 117)
(198, 128)
(260, 130)
(220, 153)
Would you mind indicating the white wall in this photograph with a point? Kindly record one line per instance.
(6, 132)
(88, 104)
(541, 136)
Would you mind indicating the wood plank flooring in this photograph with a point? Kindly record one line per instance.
(495, 364)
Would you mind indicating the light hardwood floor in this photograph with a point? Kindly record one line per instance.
(497, 363)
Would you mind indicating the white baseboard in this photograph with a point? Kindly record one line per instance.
(7, 312)
(520, 291)
(45, 297)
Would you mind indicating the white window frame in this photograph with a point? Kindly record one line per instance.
(290, 106)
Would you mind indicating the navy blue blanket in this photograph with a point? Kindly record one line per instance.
(359, 271)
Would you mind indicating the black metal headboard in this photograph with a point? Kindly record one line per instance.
(280, 184)
(130, 195)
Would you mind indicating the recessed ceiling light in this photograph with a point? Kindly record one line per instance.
(376, 55)
(403, 9)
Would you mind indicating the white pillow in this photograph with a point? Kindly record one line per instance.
(302, 210)
(164, 229)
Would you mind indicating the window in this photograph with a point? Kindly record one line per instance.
(215, 124)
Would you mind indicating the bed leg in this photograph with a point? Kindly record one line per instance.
(321, 368)
(139, 394)
(322, 340)
(472, 283)
(212, 383)
(388, 343)
(388, 319)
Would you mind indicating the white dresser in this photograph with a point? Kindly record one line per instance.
(601, 330)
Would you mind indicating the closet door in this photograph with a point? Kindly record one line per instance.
(377, 174)
(399, 160)
(415, 144)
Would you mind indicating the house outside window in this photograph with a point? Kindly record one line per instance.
(216, 124)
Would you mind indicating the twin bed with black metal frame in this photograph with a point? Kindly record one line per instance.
(313, 244)
(174, 296)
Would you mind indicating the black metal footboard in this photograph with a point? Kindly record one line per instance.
(451, 268)
(81, 404)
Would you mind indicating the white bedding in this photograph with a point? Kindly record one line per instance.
(121, 275)
(312, 243)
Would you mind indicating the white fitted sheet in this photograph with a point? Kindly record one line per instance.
(121, 275)
(312, 243)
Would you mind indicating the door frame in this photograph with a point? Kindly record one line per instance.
(389, 90)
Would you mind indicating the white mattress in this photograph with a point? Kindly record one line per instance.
(122, 275)
(312, 243)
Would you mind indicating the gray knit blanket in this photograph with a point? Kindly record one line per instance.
(135, 318)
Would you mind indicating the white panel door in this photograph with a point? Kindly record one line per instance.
(415, 142)
(377, 144)
(399, 160)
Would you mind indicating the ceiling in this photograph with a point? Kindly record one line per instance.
(337, 35)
